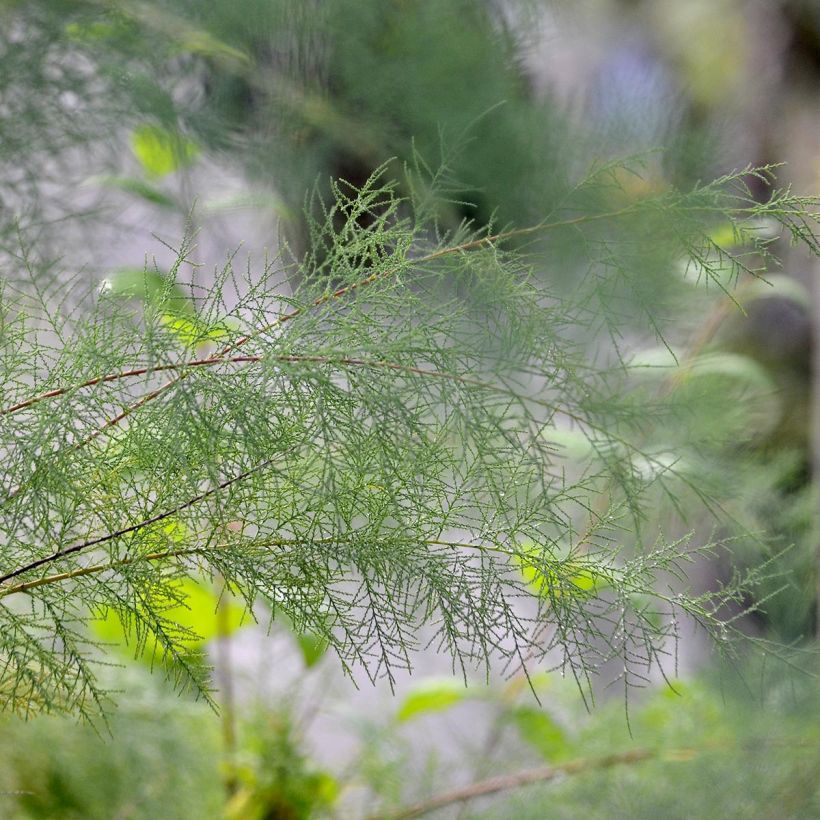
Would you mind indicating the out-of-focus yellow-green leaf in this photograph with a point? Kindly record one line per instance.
(541, 731)
(730, 235)
(151, 287)
(574, 445)
(570, 444)
(555, 582)
(730, 366)
(190, 331)
(778, 286)
(313, 647)
(96, 30)
(240, 201)
(431, 695)
(138, 187)
(192, 605)
(161, 152)
(205, 44)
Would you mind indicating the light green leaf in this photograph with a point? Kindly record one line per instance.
(190, 331)
(541, 731)
(730, 235)
(161, 152)
(234, 202)
(781, 287)
(660, 362)
(151, 287)
(312, 646)
(196, 613)
(94, 31)
(655, 359)
(731, 366)
(584, 577)
(665, 463)
(205, 44)
(570, 444)
(137, 187)
(431, 695)
(575, 445)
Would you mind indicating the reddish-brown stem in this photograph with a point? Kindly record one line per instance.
(212, 361)
(339, 292)
(124, 374)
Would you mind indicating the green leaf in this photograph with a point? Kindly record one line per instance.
(234, 202)
(431, 695)
(161, 152)
(730, 235)
(205, 44)
(569, 444)
(151, 287)
(731, 366)
(137, 187)
(780, 286)
(655, 360)
(541, 731)
(97, 30)
(192, 606)
(312, 646)
(191, 331)
(645, 606)
(584, 577)
(666, 463)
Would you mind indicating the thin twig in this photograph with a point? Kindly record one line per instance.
(93, 542)
(148, 370)
(508, 782)
(503, 783)
(95, 569)
(348, 289)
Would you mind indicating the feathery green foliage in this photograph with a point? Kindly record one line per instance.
(372, 441)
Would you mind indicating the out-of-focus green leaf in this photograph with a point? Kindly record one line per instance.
(645, 607)
(553, 583)
(781, 287)
(575, 445)
(571, 444)
(95, 31)
(728, 395)
(730, 235)
(730, 366)
(161, 152)
(205, 44)
(150, 286)
(431, 695)
(191, 331)
(234, 202)
(137, 187)
(655, 360)
(665, 463)
(541, 731)
(239, 201)
(313, 647)
(192, 605)
(659, 362)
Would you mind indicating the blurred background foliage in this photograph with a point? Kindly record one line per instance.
(121, 117)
